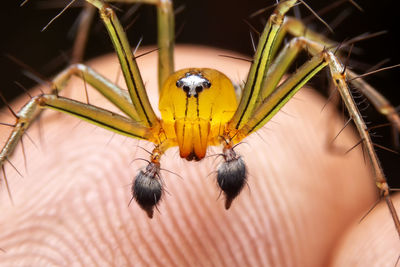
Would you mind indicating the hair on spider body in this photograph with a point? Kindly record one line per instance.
(231, 175)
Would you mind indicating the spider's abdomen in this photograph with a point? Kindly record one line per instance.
(195, 105)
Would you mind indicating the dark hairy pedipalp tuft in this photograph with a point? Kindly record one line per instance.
(231, 176)
(147, 189)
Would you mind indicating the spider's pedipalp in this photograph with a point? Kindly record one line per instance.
(231, 175)
(147, 189)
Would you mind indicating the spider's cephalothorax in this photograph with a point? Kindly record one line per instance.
(195, 105)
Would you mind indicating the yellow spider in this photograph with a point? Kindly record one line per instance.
(200, 107)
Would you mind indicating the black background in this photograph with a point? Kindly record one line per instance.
(217, 23)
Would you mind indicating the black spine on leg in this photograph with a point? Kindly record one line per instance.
(147, 188)
(232, 176)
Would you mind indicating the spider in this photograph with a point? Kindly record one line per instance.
(193, 115)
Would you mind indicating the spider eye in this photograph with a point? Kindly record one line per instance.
(179, 84)
(193, 84)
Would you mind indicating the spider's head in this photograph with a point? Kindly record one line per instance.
(195, 105)
(193, 83)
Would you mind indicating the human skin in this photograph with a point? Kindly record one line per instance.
(301, 207)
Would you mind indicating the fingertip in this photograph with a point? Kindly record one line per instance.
(373, 241)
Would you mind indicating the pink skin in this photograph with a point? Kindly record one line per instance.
(301, 206)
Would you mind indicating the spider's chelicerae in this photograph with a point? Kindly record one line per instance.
(199, 106)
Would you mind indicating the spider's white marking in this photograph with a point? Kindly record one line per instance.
(193, 83)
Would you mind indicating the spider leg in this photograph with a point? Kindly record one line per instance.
(165, 38)
(380, 103)
(297, 28)
(109, 90)
(103, 118)
(282, 62)
(260, 65)
(128, 64)
(339, 78)
(281, 95)
(85, 20)
(95, 115)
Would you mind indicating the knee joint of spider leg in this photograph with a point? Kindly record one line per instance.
(39, 100)
(384, 187)
(166, 2)
(231, 175)
(298, 42)
(338, 71)
(107, 11)
(147, 189)
(339, 78)
(276, 18)
(77, 68)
